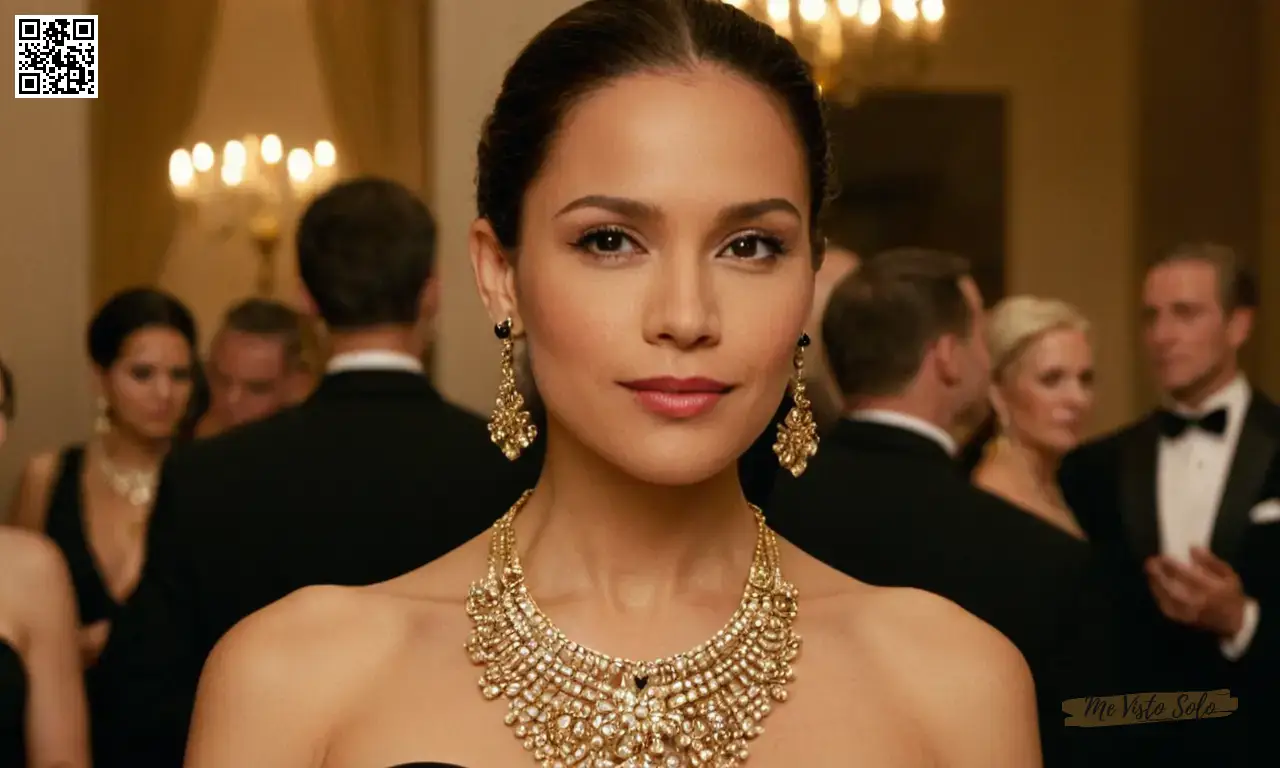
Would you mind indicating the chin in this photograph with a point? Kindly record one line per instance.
(673, 460)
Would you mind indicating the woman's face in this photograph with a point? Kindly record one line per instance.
(1047, 394)
(664, 271)
(149, 385)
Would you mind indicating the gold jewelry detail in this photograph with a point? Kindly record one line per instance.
(798, 433)
(572, 706)
(102, 423)
(136, 486)
(509, 426)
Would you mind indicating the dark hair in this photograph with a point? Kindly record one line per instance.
(8, 405)
(1236, 285)
(133, 310)
(366, 247)
(603, 40)
(882, 318)
(265, 317)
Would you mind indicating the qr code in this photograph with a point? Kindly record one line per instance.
(57, 57)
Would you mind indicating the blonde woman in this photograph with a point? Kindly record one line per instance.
(1042, 396)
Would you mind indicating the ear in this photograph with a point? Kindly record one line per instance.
(946, 355)
(429, 299)
(999, 406)
(495, 277)
(307, 303)
(1239, 326)
(98, 379)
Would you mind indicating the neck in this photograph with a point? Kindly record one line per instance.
(1039, 466)
(128, 450)
(1195, 395)
(592, 528)
(925, 409)
(381, 338)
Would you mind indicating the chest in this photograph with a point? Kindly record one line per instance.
(114, 535)
(432, 709)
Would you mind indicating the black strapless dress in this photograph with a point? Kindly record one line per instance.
(13, 706)
(426, 765)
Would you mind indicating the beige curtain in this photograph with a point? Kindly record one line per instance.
(150, 73)
(374, 58)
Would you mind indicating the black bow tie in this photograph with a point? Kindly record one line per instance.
(1173, 425)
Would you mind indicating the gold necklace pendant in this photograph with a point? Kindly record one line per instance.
(573, 706)
(136, 486)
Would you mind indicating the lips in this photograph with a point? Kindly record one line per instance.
(696, 385)
(673, 398)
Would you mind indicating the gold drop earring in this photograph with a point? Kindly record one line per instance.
(509, 426)
(797, 434)
(102, 422)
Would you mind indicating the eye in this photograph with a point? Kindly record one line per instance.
(606, 243)
(141, 372)
(754, 246)
(1052, 377)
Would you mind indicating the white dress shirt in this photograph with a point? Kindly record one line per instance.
(910, 423)
(374, 360)
(1192, 472)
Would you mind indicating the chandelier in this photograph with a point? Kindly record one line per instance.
(251, 188)
(855, 44)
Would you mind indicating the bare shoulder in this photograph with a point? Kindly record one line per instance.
(961, 680)
(32, 499)
(305, 645)
(32, 561)
(321, 642)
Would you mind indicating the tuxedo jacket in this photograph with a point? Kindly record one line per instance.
(371, 477)
(1112, 483)
(890, 507)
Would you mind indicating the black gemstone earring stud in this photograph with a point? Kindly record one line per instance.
(804, 340)
(503, 329)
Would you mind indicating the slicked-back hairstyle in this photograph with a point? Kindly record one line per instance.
(601, 41)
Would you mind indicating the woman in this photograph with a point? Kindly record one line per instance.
(649, 187)
(42, 706)
(94, 500)
(1042, 396)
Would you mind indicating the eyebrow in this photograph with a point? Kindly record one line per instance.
(634, 209)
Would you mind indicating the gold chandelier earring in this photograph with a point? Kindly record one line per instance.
(102, 422)
(509, 426)
(797, 434)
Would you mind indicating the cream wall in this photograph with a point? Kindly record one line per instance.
(1069, 71)
(1269, 262)
(1067, 67)
(44, 275)
(263, 78)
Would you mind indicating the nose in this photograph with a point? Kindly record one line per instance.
(164, 387)
(681, 309)
(1161, 332)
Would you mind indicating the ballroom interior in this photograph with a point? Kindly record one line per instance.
(1059, 144)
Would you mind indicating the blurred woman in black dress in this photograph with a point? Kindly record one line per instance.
(42, 706)
(94, 499)
(1042, 397)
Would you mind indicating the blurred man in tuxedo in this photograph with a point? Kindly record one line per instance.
(884, 500)
(367, 479)
(1187, 501)
(255, 365)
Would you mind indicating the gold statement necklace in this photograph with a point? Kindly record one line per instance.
(136, 486)
(572, 706)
